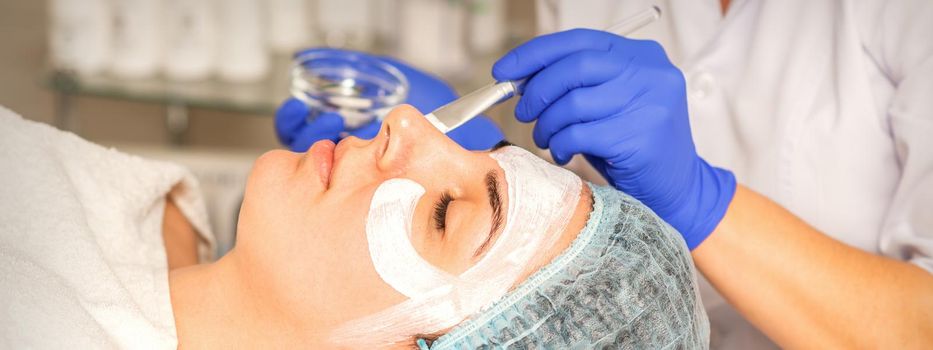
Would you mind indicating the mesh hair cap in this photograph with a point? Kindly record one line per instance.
(626, 281)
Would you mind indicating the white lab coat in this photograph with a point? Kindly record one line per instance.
(825, 107)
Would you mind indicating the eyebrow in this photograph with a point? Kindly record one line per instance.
(500, 144)
(495, 201)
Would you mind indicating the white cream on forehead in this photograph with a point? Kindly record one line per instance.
(537, 213)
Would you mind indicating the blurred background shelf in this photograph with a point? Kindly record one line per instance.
(258, 97)
(215, 125)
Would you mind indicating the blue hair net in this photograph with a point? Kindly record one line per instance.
(626, 281)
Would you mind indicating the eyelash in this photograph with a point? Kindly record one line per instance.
(440, 211)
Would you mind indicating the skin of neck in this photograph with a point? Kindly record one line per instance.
(224, 304)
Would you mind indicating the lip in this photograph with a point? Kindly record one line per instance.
(321, 154)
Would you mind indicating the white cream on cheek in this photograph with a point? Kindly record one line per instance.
(537, 213)
(388, 232)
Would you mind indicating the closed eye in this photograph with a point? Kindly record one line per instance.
(440, 211)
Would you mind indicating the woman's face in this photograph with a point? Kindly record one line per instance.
(302, 227)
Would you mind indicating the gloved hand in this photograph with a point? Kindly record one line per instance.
(425, 93)
(622, 104)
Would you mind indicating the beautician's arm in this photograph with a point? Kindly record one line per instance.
(622, 104)
(807, 290)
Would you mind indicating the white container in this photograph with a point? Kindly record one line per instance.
(137, 37)
(289, 25)
(242, 53)
(431, 36)
(80, 35)
(190, 39)
(487, 25)
(385, 21)
(345, 23)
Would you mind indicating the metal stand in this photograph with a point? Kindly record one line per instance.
(176, 121)
(64, 116)
(65, 86)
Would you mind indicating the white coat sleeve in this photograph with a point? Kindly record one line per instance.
(897, 35)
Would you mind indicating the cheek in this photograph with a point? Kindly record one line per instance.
(435, 169)
(331, 257)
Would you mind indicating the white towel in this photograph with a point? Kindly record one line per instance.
(82, 261)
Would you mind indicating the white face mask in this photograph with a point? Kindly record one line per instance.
(538, 212)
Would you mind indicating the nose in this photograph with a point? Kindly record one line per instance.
(407, 120)
(405, 136)
(410, 136)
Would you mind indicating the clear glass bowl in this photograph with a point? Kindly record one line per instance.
(358, 87)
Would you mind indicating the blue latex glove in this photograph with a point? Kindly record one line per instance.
(426, 93)
(622, 104)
